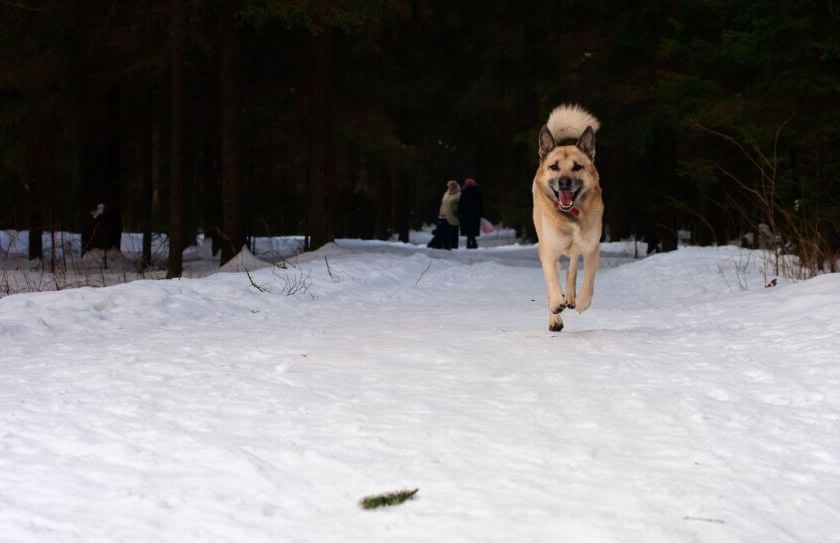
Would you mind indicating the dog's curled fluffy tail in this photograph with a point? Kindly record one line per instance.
(569, 121)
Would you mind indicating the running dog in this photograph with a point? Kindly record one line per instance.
(568, 207)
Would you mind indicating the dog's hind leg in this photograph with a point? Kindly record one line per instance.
(571, 280)
(590, 267)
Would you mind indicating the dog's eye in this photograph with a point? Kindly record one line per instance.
(577, 167)
(554, 167)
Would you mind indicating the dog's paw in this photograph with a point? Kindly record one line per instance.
(555, 323)
(570, 300)
(557, 307)
(583, 303)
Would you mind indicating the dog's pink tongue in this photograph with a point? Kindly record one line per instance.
(567, 199)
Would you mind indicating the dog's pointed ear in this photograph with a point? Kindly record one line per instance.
(546, 142)
(586, 143)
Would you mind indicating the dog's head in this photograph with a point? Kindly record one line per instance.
(567, 172)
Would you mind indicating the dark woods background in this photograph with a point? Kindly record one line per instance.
(336, 119)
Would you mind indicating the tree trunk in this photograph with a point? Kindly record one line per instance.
(322, 189)
(147, 163)
(382, 199)
(147, 153)
(112, 188)
(35, 218)
(176, 159)
(399, 201)
(232, 236)
(84, 126)
(38, 161)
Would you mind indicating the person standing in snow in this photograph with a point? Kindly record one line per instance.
(470, 210)
(448, 216)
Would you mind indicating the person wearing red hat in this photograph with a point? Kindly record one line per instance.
(470, 210)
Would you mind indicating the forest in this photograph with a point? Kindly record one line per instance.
(332, 119)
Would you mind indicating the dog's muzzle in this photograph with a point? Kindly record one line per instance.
(565, 190)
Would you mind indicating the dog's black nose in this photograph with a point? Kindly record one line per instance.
(565, 184)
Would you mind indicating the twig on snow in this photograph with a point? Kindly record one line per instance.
(254, 284)
(705, 519)
(423, 273)
(329, 271)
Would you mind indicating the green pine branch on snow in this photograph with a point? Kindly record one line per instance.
(387, 499)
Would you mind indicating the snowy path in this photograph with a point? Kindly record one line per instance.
(204, 410)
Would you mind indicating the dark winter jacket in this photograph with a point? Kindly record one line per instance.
(470, 210)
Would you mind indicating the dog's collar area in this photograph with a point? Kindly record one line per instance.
(571, 210)
(574, 211)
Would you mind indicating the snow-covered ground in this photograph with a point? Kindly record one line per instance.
(63, 266)
(688, 404)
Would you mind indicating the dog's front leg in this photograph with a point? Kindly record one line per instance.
(590, 267)
(556, 300)
(571, 280)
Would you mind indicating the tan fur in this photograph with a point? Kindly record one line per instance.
(560, 233)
